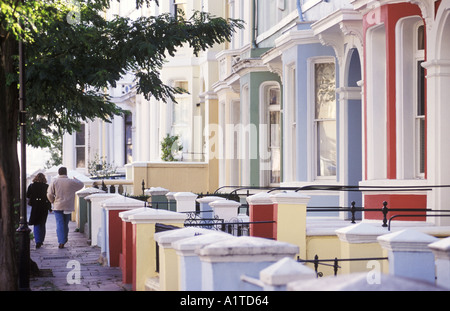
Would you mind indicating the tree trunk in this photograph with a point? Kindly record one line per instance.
(9, 165)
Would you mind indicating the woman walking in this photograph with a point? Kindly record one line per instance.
(40, 205)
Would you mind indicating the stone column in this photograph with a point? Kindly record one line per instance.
(206, 211)
(171, 201)
(261, 208)
(277, 276)
(168, 259)
(126, 261)
(144, 245)
(97, 215)
(409, 254)
(185, 201)
(291, 219)
(441, 251)
(225, 263)
(112, 227)
(158, 197)
(82, 216)
(360, 241)
(225, 209)
(190, 264)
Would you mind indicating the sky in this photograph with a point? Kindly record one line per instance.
(36, 158)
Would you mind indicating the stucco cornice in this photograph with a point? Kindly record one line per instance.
(332, 29)
(294, 38)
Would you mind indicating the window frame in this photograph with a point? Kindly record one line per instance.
(410, 152)
(314, 155)
(80, 146)
(419, 73)
(184, 128)
(128, 129)
(265, 148)
(179, 3)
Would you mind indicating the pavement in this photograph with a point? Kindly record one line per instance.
(76, 267)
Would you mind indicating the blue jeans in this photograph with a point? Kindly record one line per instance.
(62, 226)
(39, 233)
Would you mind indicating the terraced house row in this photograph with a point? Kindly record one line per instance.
(311, 92)
(326, 120)
(347, 94)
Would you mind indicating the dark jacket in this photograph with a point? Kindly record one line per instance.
(40, 205)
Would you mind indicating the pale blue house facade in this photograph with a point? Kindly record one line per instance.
(298, 51)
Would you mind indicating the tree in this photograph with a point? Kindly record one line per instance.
(69, 64)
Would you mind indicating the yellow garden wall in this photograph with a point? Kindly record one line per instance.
(174, 176)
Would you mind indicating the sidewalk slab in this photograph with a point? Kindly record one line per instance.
(76, 267)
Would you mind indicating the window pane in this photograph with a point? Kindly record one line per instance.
(325, 91)
(420, 38)
(326, 148)
(81, 157)
(129, 154)
(180, 5)
(275, 175)
(128, 138)
(275, 129)
(181, 111)
(325, 114)
(80, 136)
(421, 142)
(420, 89)
(275, 143)
(128, 134)
(182, 85)
(274, 96)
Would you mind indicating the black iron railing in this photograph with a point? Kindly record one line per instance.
(334, 263)
(419, 215)
(235, 226)
(353, 209)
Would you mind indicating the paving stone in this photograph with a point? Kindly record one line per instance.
(54, 270)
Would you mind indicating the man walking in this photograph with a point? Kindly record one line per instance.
(61, 193)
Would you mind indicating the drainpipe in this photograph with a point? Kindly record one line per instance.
(254, 23)
(299, 9)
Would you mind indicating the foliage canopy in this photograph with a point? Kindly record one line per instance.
(72, 55)
(70, 62)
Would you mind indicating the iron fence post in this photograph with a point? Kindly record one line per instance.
(353, 211)
(336, 266)
(385, 211)
(316, 265)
